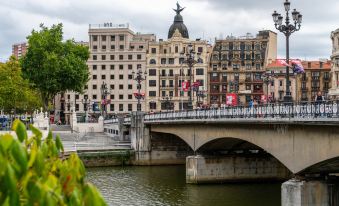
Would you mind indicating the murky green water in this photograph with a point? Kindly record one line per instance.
(165, 185)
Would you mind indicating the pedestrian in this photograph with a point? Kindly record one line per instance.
(251, 103)
(318, 100)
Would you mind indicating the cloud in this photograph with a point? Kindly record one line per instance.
(204, 18)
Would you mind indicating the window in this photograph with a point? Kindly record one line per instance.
(171, 93)
(171, 61)
(86, 86)
(121, 76)
(130, 57)
(68, 96)
(129, 86)
(111, 86)
(103, 38)
(112, 96)
(130, 66)
(152, 83)
(103, 57)
(112, 37)
(121, 96)
(94, 96)
(76, 96)
(121, 57)
(121, 107)
(121, 67)
(94, 86)
(152, 93)
(176, 49)
(129, 107)
(112, 66)
(163, 61)
(95, 47)
(103, 47)
(201, 82)
(94, 67)
(130, 96)
(95, 38)
(121, 37)
(103, 76)
(111, 107)
(152, 105)
(154, 50)
(121, 86)
(112, 47)
(94, 77)
(121, 47)
(163, 93)
(199, 71)
(139, 56)
(280, 83)
(141, 47)
(94, 57)
(103, 67)
(130, 76)
(112, 76)
(112, 57)
(200, 49)
(248, 66)
(152, 72)
(152, 61)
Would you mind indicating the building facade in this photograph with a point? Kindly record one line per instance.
(167, 71)
(316, 78)
(115, 52)
(334, 91)
(20, 49)
(237, 65)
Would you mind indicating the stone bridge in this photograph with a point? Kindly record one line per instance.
(248, 144)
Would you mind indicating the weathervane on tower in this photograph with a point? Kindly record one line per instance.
(179, 9)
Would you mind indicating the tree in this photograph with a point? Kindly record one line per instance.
(54, 66)
(32, 172)
(15, 92)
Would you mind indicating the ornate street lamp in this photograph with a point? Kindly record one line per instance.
(104, 92)
(139, 76)
(87, 105)
(190, 59)
(167, 101)
(288, 28)
(268, 79)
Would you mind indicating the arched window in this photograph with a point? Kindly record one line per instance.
(152, 61)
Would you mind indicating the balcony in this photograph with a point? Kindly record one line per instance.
(315, 89)
(315, 78)
(215, 80)
(304, 89)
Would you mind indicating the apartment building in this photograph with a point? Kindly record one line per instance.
(20, 49)
(316, 78)
(167, 70)
(115, 52)
(334, 91)
(237, 65)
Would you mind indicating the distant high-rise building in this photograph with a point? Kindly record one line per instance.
(20, 49)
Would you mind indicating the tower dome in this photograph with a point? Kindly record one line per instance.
(178, 24)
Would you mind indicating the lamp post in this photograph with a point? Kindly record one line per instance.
(138, 77)
(288, 28)
(104, 93)
(190, 59)
(167, 101)
(268, 79)
(86, 103)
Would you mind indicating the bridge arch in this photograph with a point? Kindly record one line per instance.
(296, 146)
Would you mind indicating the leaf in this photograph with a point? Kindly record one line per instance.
(19, 155)
(37, 134)
(32, 155)
(6, 141)
(59, 143)
(20, 130)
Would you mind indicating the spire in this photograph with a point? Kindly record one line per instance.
(178, 23)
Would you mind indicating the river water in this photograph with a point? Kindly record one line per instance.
(165, 185)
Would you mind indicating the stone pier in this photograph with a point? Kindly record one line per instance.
(310, 193)
(234, 168)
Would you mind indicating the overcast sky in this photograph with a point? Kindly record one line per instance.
(204, 19)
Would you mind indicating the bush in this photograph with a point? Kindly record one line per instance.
(32, 172)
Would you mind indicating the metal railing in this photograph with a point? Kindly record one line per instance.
(309, 111)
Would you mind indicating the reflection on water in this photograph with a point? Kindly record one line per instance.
(165, 185)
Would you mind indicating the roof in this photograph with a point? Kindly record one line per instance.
(308, 65)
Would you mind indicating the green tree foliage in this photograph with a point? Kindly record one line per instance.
(53, 65)
(32, 172)
(15, 92)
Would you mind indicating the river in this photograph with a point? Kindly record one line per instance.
(165, 186)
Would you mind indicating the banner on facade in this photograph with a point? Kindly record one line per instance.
(185, 86)
(231, 99)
